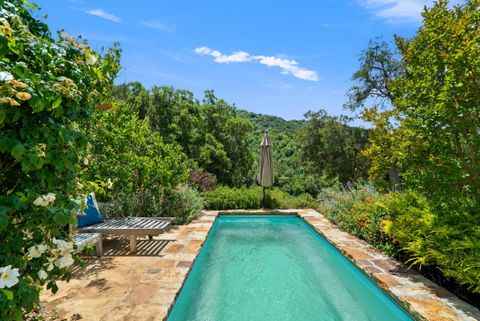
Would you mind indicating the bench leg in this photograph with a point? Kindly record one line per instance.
(99, 247)
(150, 237)
(133, 243)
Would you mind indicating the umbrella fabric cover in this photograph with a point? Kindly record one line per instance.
(265, 175)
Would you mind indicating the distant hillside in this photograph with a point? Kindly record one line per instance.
(282, 133)
(273, 123)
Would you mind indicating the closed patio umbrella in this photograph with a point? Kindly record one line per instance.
(265, 175)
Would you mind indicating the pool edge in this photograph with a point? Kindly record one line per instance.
(418, 296)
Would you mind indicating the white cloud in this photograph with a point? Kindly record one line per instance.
(401, 10)
(239, 56)
(153, 24)
(287, 66)
(104, 15)
(397, 10)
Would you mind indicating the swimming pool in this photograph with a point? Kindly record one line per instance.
(277, 268)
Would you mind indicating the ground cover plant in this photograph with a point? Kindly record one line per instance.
(360, 210)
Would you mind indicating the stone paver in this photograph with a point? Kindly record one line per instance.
(421, 297)
(129, 288)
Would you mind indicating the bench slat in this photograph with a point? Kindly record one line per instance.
(129, 226)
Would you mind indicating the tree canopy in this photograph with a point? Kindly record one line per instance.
(429, 133)
(330, 146)
(209, 131)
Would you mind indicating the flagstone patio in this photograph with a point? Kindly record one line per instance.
(143, 286)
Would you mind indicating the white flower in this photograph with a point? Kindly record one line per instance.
(91, 59)
(63, 245)
(8, 277)
(64, 261)
(49, 265)
(5, 76)
(55, 252)
(50, 197)
(45, 200)
(110, 183)
(85, 162)
(37, 250)
(40, 201)
(42, 275)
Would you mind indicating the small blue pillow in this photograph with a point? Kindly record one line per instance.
(91, 213)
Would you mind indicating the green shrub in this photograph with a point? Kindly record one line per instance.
(358, 210)
(49, 87)
(225, 198)
(283, 200)
(308, 183)
(447, 237)
(125, 152)
(183, 202)
(146, 203)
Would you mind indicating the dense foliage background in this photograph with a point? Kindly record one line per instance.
(208, 131)
(408, 185)
(422, 96)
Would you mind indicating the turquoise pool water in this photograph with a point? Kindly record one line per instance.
(277, 268)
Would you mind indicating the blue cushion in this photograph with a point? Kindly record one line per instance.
(91, 213)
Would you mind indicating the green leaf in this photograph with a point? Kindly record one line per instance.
(18, 315)
(52, 286)
(18, 151)
(3, 46)
(6, 143)
(8, 294)
(3, 115)
(57, 102)
(59, 164)
(4, 217)
(60, 219)
(58, 112)
(36, 161)
(37, 104)
(20, 70)
(12, 45)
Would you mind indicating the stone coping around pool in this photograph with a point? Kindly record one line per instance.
(259, 212)
(422, 298)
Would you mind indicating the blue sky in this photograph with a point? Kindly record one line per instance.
(273, 57)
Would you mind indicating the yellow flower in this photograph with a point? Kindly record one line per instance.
(5, 28)
(13, 102)
(23, 95)
(17, 84)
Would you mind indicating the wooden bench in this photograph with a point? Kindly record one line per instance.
(132, 227)
(83, 239)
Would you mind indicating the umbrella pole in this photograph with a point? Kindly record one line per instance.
(263, 199)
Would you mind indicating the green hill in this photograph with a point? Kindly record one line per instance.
(285, 148)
